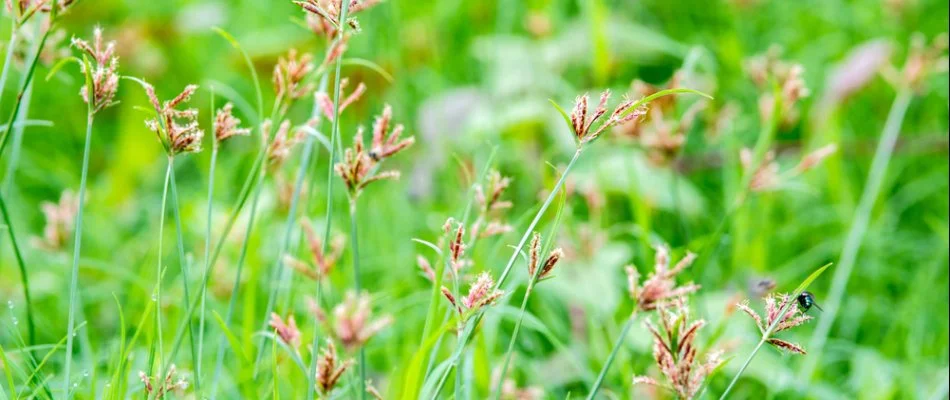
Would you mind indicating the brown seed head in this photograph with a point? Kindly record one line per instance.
(354, 324)
(287, 331)
(226, 125)
(675, 353)
(660, 285)
(104, 78)
(482, 292)
(177, 129)
(358, 167)
(792, 317)
(330, 368)
(289, 75)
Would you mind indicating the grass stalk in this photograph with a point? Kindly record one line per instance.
(280, 272)
(232, 303)
(334, 144)
(859, 226)
(18, 128)
(251, 182)
(613, 354)
(26, 80)
(204, 291)
(24, 277)
(77, 246)
(7, 58)
(184, 269)
(355, 252)
(207, 257)
(158, 266)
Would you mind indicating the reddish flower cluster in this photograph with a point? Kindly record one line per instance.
(104, 80)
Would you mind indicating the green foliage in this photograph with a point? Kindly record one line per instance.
(467, 78)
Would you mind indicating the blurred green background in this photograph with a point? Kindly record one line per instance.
(472, 75)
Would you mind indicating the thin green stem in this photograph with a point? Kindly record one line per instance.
(859, 225)
(24, 278)
(18, 127)
(334, 143)
(77, 246)
(232, 303)
(7, 58)
(204, 291)
(158, 266)
(210, 207)
(250, 183)
(514, 335)
(280, 273)
(27, 79)
(610, 358)
(184, 270)
(355, 252)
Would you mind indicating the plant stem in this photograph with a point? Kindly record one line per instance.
(204, 290)
(252, 181)
(470, 327)
(158, 267)
(765, 337)
(613, 354)
(18, 127)
(355, 251)
(334, 143)
(234, 289)
(537, 218)
(514, 334)
(25, 81)
(77, 245)
(6, 59)
(279, 273)
(24, 278)
(859, 225)
(184, 269)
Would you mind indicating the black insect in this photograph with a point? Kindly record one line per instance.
(806, 300)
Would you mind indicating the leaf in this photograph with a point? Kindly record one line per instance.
(29, 122)
(7, 370)
(567, 119)
(429, 244)
(228, 92)
(369, 64)
(60, 64)
(663, 93)
(811, 278)
(316, 135)
(293, 353)
(232, 340)
(413, 378)
(250, 66)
